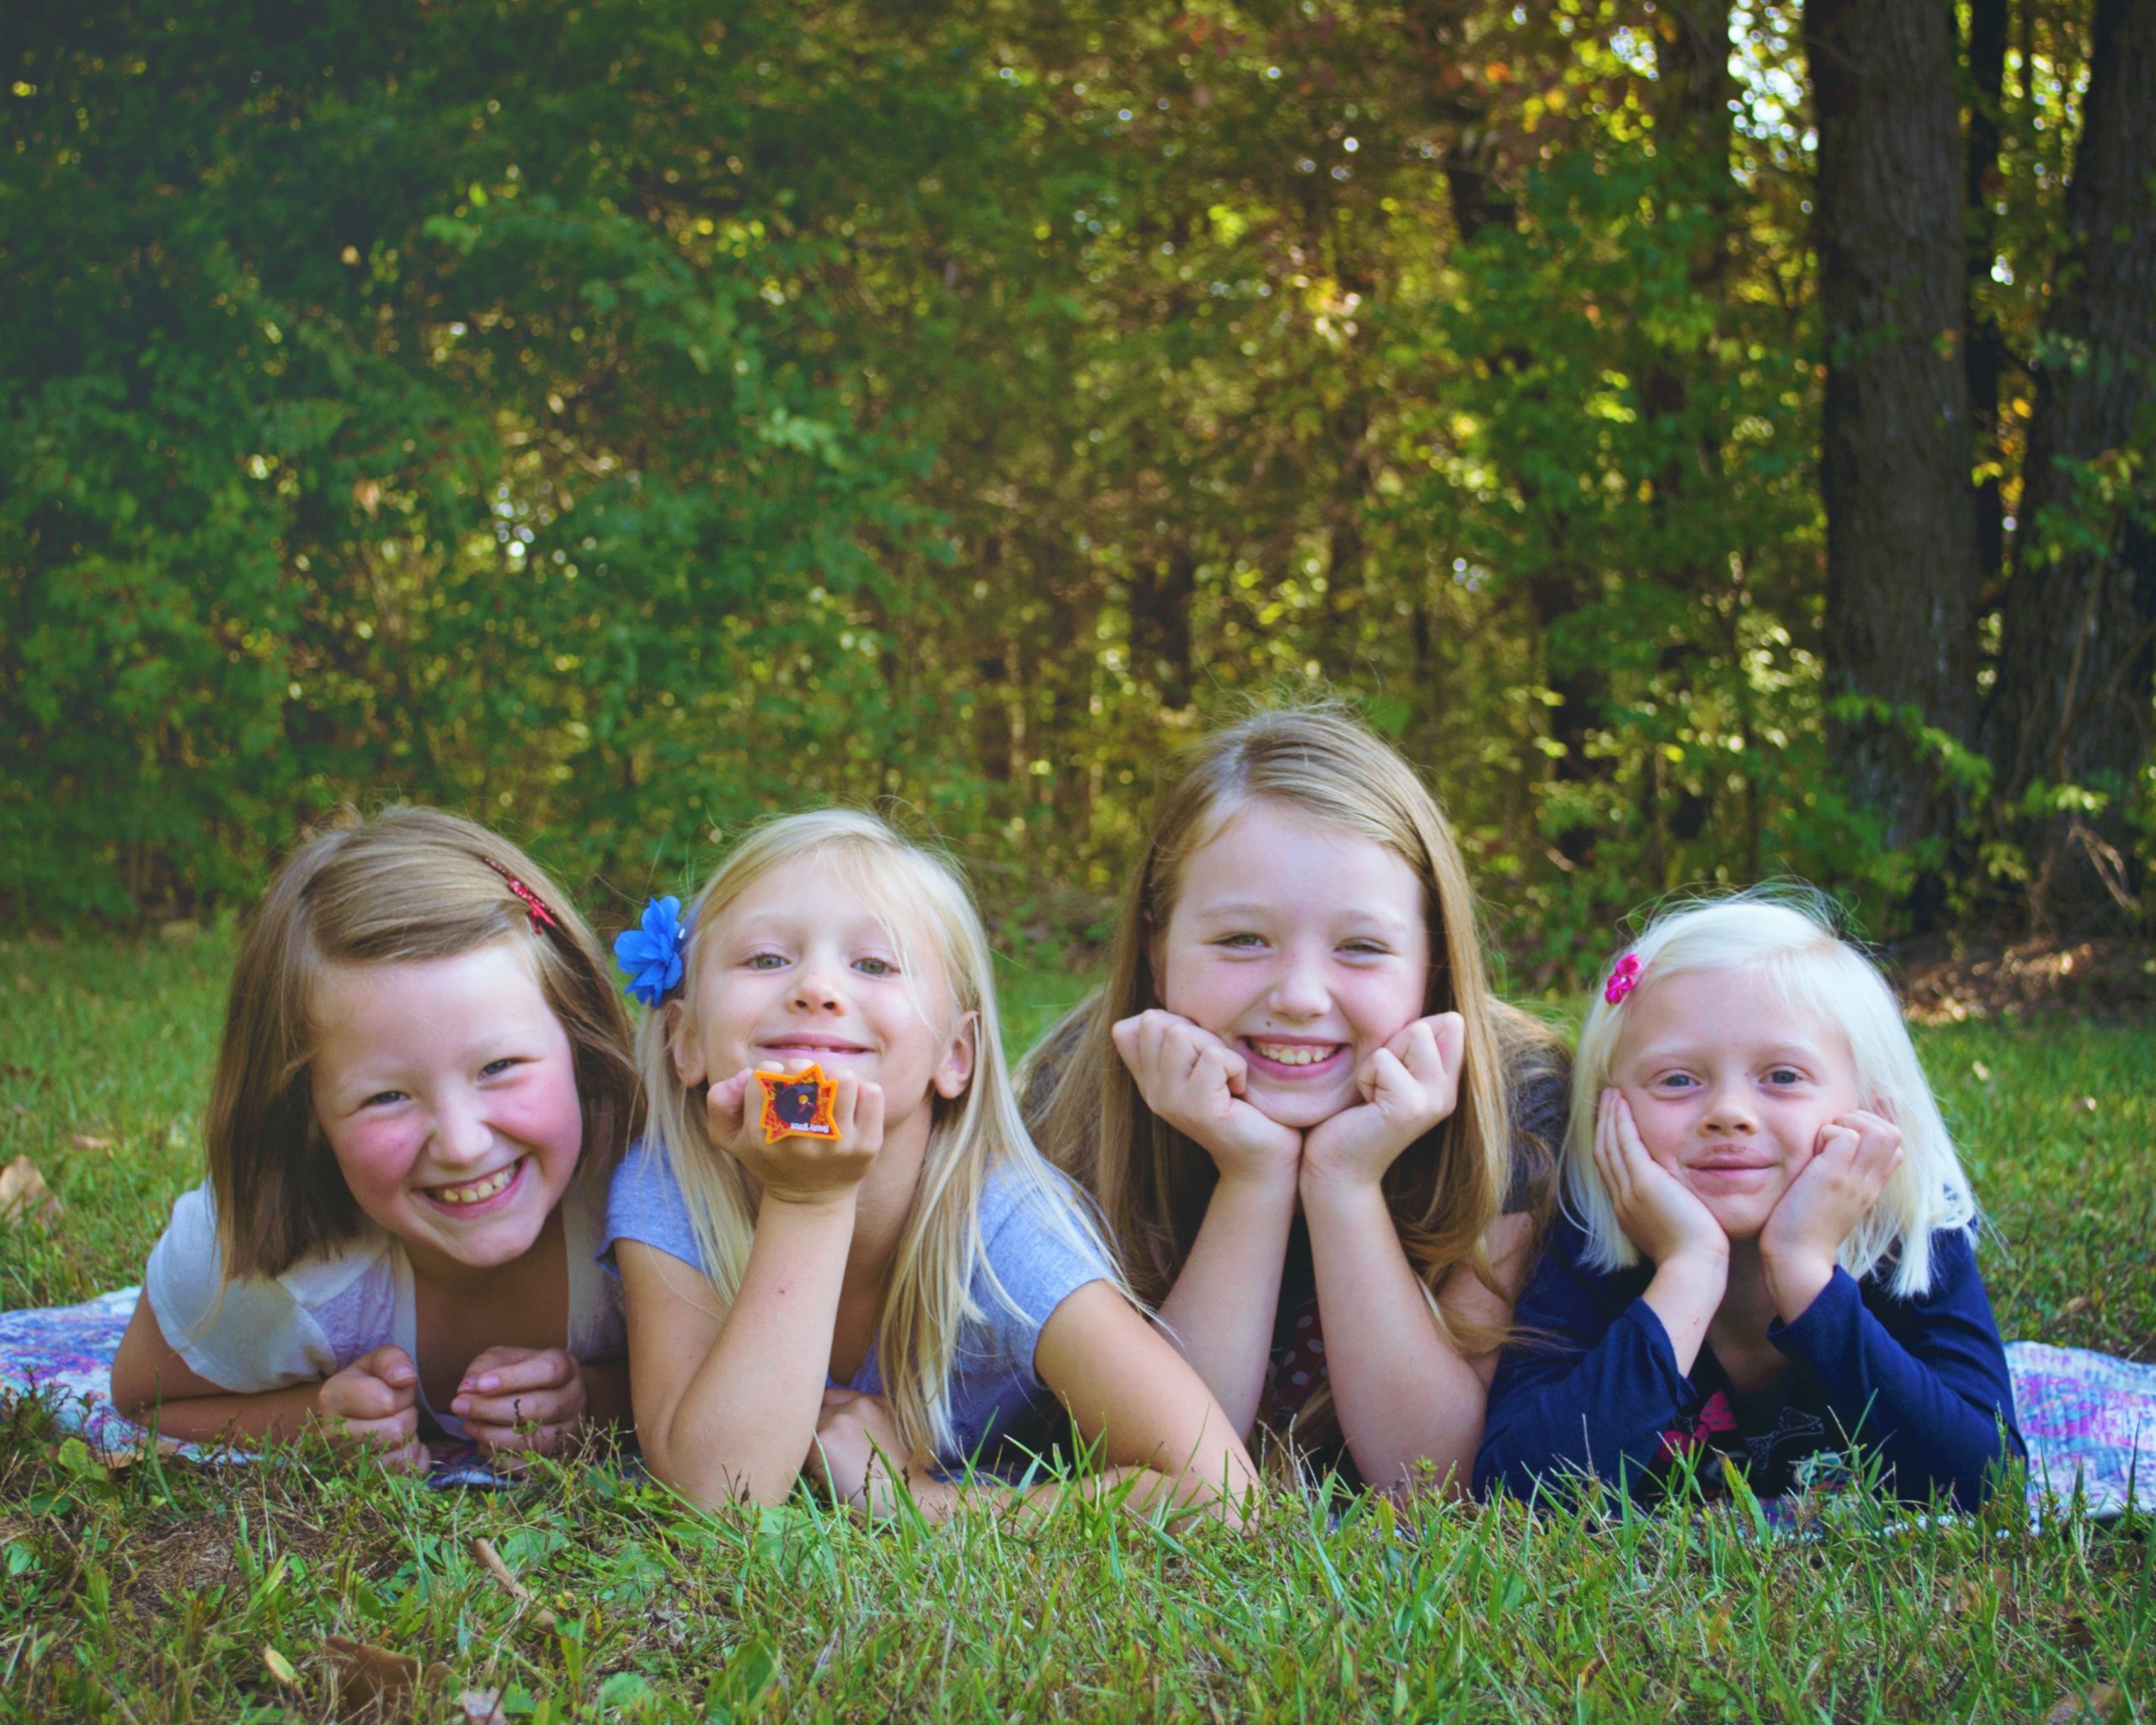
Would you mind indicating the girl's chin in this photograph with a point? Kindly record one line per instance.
(1296, 1110)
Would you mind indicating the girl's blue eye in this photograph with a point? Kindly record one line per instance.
(876, 967)
(383, 1098)
(765, 961)
(1785, 1076)
(1241, 943)
(1365, 948)
(495, 1068)
(1675, 1080)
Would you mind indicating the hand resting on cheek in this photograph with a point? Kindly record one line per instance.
(1195, 1081)
(1407, 1088)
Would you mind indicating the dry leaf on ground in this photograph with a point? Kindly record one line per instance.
(23, 1193)
(2099, 1704)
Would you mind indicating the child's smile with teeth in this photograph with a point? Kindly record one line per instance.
(1296, 1053)
(477, 1191)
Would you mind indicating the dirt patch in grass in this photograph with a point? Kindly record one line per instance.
(1948, 983)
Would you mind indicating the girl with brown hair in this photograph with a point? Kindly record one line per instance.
(1320, 1142)
(423, 1084)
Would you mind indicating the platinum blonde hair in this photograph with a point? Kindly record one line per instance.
(1782, 937)
(922, 903)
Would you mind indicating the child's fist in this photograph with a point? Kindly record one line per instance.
(1194, 1082)
(858, 1455)
(1853, 1158)
(521, 1400)
(374, 1402)
(1659, 1213)
(1407, 1087)
(797, 1170)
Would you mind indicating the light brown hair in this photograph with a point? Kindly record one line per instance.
(1321, 763)
(405, 886)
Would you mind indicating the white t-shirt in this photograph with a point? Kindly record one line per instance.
(330, 1309)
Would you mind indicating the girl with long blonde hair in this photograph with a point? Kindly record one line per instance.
(891, 1304)
(1319, 1138)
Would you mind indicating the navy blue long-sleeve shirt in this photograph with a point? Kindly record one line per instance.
(1592, 1386)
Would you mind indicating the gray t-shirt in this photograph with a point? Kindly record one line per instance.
(996, 1393)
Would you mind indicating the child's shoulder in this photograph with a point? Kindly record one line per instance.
(188, 1251)
(1036, 1236)
(262, 1332)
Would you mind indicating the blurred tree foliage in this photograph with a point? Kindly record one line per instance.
(620, 420)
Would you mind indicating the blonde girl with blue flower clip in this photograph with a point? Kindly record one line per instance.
(423, 1083)
(880, 1308)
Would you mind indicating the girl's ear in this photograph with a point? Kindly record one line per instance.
(955, 1071)
(683, 1044)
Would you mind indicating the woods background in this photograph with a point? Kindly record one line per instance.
(1711, 438)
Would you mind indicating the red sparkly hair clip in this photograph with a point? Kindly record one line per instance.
(1623, 980)
(536, 906)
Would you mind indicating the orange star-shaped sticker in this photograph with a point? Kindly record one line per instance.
(798, 1104)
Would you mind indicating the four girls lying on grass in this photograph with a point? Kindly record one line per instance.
(1319, 1138)
(1768, 1251)
(916, 1294)
(1323, 1151)
(423, 1084)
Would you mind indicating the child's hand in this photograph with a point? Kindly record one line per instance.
(1194, 1082)
(1656, 1210)
(521, 1400)
(794, 1170)
(857, 1453)
(1854, 1157)
(1408, 1086)
(374, 1402)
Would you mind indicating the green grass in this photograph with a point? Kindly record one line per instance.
(161, 1592)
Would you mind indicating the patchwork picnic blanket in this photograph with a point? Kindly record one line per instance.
(2089, 1418)
(65, 1353)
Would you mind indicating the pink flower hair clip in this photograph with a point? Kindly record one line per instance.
(1623, 980)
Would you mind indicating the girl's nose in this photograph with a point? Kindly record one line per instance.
(1298, 989)
(813, 990)
(1729, 1110)
(461, 1134)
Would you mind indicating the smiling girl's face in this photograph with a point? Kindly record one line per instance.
(447, 1090)
(1728, 1089)
(797, 969)
(1303, 947)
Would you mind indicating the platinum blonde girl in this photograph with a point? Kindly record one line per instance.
(1782, 937)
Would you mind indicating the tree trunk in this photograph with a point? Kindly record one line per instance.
(1987, 348)
(2071, 704)
(1901, 520)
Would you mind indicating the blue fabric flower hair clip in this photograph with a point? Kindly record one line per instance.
(650, 955)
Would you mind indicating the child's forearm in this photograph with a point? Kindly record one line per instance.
(744, 1425)
(1572, 1402)
(1685, 1295)
(260, 1414)
(1220, 1311)
(1405, 1397)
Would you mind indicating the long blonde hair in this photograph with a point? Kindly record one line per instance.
(1783, 936)
(1152, 1182)
(407, 885)
(929, 1296)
